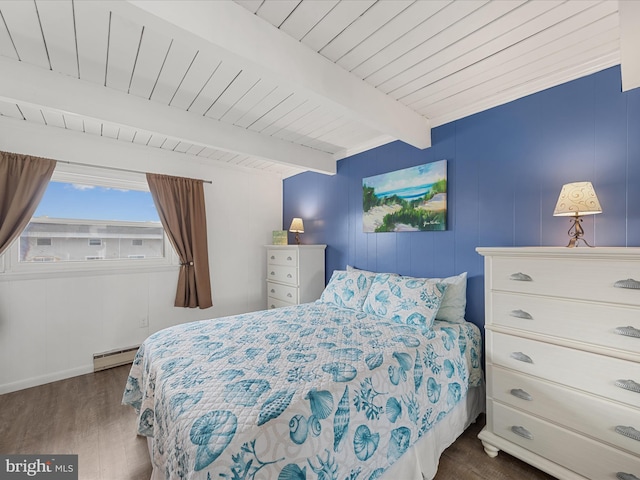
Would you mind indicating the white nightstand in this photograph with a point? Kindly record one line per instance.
(295, 274)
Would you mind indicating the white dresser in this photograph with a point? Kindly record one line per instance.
(563, 359)
(295, 274)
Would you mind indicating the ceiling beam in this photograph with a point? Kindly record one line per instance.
(35, 86)
(629, 12)
(233, 33)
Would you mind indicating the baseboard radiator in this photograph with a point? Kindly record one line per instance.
(114, 358)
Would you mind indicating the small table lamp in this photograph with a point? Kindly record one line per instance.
(576, 199)
(297, 227)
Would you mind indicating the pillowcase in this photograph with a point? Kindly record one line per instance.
(454, 304)
(347, 289)
(411, 301)
(355, 269)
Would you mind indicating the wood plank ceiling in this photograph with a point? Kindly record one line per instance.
(289, 85)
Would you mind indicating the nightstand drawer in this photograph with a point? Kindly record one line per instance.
(594, 323)
(571, 278)
(275, 303)
(582, 455)
(278, 273)
(590, 415)
(285, 293)
(284, 257)
(589, 372)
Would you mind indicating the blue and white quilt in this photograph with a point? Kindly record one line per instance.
(313, 392)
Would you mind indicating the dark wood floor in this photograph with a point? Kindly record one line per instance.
(83, 416)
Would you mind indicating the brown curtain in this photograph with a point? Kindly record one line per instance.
(23, 180)
(180, 205)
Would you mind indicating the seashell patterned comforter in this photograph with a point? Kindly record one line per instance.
(313, 392)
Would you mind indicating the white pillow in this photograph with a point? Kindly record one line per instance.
(454, 303)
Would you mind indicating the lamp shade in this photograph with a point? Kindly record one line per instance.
(296, 226)
(578, 198)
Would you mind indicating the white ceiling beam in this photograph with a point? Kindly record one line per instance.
(629, 12)
(28, 84)
(231, 32)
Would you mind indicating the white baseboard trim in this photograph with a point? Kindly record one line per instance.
(43, 379)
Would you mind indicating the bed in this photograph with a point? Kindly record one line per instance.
(365, 383)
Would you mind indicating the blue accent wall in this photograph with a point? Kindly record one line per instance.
(506, 167)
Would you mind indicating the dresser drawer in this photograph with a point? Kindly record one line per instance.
(276, 303)
(589, 372)
(583, 455)
(566, 277)
(284, 257)
(593, 416)
(593, 323)
(286, 293)
(282, 274)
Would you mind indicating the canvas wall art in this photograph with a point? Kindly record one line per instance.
(408, 200)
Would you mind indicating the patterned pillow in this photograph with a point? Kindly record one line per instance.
(347, 289)
(453, 305)
(411, 301)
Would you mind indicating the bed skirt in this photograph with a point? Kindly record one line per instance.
(420, 462)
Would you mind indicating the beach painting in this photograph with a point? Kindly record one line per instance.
(410, 200)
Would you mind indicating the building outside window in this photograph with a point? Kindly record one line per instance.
(71, 240)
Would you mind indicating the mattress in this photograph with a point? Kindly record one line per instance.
(310, 391)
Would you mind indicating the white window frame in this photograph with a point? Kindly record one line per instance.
(12, 268)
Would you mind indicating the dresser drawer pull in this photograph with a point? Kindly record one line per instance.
(289, 258)
(628, 385)
(289, 295)
(273, 273)
(273, 290)
(521, 314)
(521, 394)
(521, 357)
(520, 277)
(626, 476)
(628, 283)
(523, 432)
(628, 331)
(272, 306)
(628, 432)
(273, 257)
(289, 275)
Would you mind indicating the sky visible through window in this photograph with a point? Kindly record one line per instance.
(66, 200)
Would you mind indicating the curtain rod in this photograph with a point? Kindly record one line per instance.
(117, 169)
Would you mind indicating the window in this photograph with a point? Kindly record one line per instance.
(92, 223)
(89, 222)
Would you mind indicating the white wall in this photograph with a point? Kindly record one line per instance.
(51, 327)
